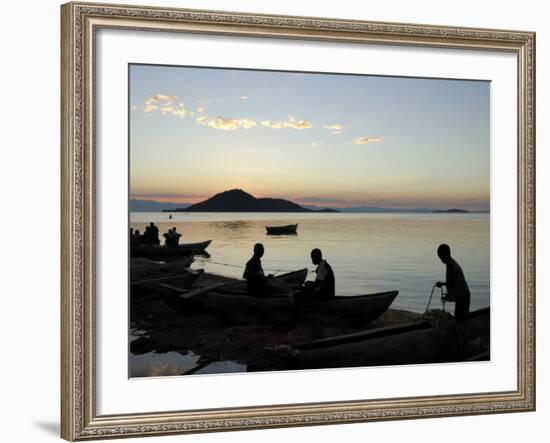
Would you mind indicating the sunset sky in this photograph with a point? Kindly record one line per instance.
(318, 139)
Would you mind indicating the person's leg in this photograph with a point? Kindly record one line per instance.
(462, 306)
(302, 295)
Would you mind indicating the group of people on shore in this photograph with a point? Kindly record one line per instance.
(323, 287)
(151, 237)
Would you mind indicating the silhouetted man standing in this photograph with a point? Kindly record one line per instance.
(457, 288)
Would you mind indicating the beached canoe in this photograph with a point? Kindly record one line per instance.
(282, 230)
(413, 343)
(356, 310)
(244, 309)
(191, 300)
(146, 288)
(143, 269)
(280, 284)
(166, 253)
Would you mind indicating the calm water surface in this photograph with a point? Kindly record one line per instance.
(368, 252)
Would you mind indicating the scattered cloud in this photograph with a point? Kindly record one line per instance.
(165, 104)
(365, 140)
(336, 128)
(226, 124)
(243, 97)
(200, 109)
(291, 122)
(315, 144)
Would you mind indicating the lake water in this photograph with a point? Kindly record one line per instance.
(368, 252)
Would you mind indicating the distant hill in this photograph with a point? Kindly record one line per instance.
(237, 200)
(451, 211)
(137, 205)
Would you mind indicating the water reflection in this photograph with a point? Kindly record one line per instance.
(152, 364)
(225, 367)
(368, 252)
(234, 225)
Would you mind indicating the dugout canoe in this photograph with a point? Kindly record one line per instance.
(146, 288)
(280, 284)
(167, 253)
(414, 343)
(242, 309)
(357, 310)
(192, 300)
(143, 269)
(282, 230)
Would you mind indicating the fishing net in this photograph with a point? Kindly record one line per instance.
(454, 343)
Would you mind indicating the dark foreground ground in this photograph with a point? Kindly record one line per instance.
(157, 329)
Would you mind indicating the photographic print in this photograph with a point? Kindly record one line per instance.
(301, 220)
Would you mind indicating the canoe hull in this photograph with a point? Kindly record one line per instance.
(143, 269)
(282, 230)
(410, 344)
(177, 298)
(357, 310)
(279, 284)
(147, 288)
(166, 253)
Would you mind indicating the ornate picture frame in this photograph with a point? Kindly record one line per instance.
(80, 23)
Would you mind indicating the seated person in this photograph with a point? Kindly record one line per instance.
(256, 281)
(137, 238)
(168, 238)
(323, 288)
(175, 237)
(153, 235)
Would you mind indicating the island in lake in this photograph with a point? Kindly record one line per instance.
(451, 211)
(237, 200)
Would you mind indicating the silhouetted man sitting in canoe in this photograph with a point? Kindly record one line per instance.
(168, 238)
(132, 238)
(176, 236)
(136, 239)
(151, 235)
(457, 288)
(256, 280)
(323, 287)
(171, 238)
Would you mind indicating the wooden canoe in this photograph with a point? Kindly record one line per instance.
(192, 300)
(280, 284)
(281, 230)
(166, 253)
(414, 343)
(356, 310)
(146, 288)
(144, 269)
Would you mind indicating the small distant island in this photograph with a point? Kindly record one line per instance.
(237, 200)
(451, 211)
